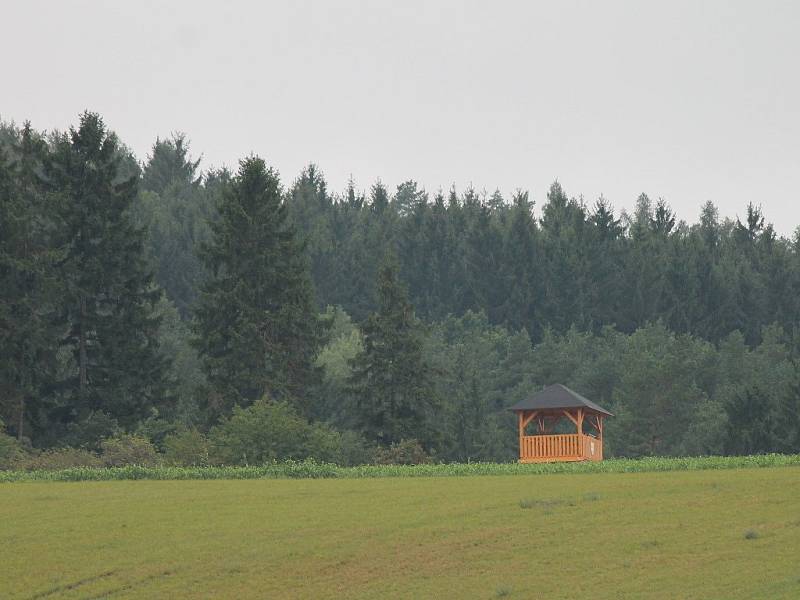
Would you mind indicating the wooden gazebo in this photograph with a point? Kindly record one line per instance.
(545, 410)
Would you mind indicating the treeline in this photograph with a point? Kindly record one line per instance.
(578, 265)
(156, 299)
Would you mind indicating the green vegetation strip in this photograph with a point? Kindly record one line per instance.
(314, 470)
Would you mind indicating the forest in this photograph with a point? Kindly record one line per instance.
(234, 317)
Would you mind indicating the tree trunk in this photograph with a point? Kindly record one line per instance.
(21, 422)
(83, 379)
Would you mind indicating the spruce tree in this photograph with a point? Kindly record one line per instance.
(751, 422)
(28, 288)
(564, 273)
(256, 327)
(107, 308)
(519, 268)
(311, 211)
(605, 247)
(174, 208)
(788, 415)
(391, 383)
(445, 288)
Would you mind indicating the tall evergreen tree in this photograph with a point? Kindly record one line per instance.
(109, 295)
(28, 334)
(391, 383)
(565, 270)
(170, 163)
(751, 422)
(606, 246)
(446, 286)
(311, 208)
(174, 208)
(788, 416)
(257, 329)
(520, 268)
(482, 258)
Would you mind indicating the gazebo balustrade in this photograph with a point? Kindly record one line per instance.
(543, 412)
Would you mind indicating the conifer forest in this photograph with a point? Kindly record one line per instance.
(241, 315)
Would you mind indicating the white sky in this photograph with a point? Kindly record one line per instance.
(690, 101)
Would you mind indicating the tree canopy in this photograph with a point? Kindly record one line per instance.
(151, 297)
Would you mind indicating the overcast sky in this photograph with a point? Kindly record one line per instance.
(689, 101)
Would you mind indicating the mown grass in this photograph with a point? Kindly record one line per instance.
(315, 470)
(640, 535)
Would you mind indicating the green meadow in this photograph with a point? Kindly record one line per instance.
(730, 534)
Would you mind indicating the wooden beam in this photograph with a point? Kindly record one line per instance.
(570, 417)
(600, 430)
(596, 423)
(529, 418)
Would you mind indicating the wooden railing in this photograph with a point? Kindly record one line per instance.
(550, 446)
(562, 446)
(592, 448)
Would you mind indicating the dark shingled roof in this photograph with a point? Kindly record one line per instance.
(558, 396)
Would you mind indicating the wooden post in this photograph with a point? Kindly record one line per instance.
(580, 432)
(520, 414)
(600, 434)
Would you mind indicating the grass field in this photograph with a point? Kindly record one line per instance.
(698, 534)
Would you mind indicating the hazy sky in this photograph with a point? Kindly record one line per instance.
(689, 101)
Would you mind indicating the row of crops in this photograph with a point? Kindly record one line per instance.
(311, 469)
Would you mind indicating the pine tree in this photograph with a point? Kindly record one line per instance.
(482, 257)
(520, 269)
(605, 241)
(169, 164)
(408, 197)
(28, 287)
(311, 209)
(391, 383)
(788, 416)
(444, 289)
(257, 330)
(174, 208)
(751, 423)
(565, 275)
(109, 296)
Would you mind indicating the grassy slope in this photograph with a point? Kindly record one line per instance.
(652, 535)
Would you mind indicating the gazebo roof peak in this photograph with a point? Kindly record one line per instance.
(558, 396)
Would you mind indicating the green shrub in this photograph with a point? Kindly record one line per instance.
(404, 452)
(128, 449)
(155, 429)
(354, 450)
(61, 458)
(267, 431)
(262, 432)
(188, 448)
(12, 453)
(91, 431)
(310, 469)
(323, 444)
